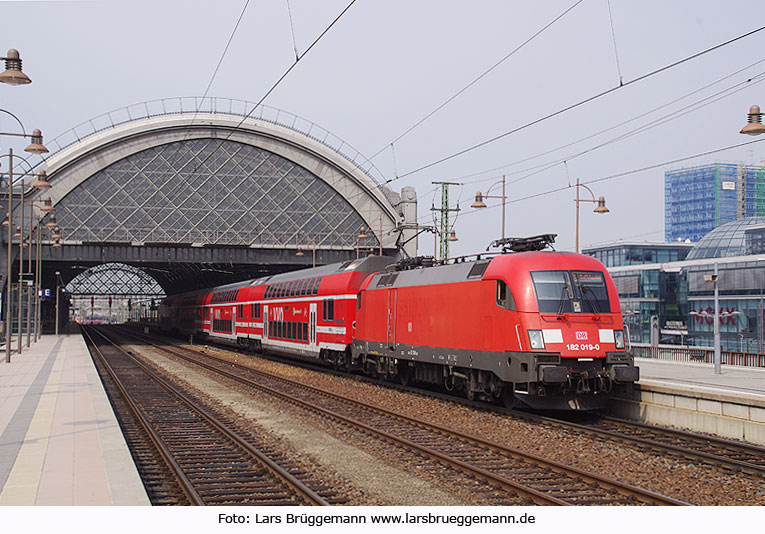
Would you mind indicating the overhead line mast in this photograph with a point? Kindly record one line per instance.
(443, 231)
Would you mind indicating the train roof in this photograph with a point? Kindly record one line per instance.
(491, 268)
(367, 264)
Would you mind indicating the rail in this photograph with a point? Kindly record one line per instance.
(674, 353)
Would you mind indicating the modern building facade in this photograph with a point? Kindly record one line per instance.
(699, 199)
(673, 301)
(637, 253)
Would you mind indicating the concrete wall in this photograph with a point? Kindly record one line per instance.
(721, 414)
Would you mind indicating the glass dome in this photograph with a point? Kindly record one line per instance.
(726, 240)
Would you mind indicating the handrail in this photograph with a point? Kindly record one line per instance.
(677, 353)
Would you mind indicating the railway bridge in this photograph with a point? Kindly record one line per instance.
(189, 192)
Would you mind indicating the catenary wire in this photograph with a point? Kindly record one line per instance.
(581, 103)
(273, 87)
(475, 80)
(660, 120)
(640, 116)
(615, 176)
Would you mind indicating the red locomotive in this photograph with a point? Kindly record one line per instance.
(538, 328)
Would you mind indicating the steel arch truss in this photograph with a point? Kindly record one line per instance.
(115, 279)
(208, 191)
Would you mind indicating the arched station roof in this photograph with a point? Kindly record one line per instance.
(175, 174)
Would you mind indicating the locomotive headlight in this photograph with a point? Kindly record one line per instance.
(619, 339)
(535, 339)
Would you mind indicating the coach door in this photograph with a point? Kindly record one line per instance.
(392, 298)
(265, 321)
(211, 312)
(312, 325)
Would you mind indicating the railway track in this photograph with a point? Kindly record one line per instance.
(537, 479)
(728, 455)
(187, 454)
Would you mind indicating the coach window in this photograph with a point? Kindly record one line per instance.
(504, 296)
(358, 301)
(324, 310)
(240, 314)
(331, 310)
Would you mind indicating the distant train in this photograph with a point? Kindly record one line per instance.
(535, 328)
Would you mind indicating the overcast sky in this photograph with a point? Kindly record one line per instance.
(387, 64)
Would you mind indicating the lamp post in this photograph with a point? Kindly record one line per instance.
(479, 203)
(41, 183)
(58, 276)
(12, 75)
(601, 207)
(362, 235)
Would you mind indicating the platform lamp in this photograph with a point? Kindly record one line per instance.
(479, 203)
(600, 208)
(754, 123)
(313, 246)
(13, 74)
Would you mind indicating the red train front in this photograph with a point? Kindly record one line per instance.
(539, 328)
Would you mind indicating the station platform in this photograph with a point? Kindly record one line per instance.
(692, 396)
(746, 382)
(60, 443)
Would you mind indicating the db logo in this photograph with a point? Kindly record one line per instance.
(581, 335)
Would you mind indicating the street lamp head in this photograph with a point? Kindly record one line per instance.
(754, 126)
(601, 206)
(299, 251)
(479, 203)
(18, 232)
(56, 244)
(363, 233)
(42, 181)
(36, 146)
(13, 74)
(52, 222)
(5, 221)
(452, 235)
(47, 205)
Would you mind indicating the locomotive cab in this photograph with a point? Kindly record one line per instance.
(574, 335)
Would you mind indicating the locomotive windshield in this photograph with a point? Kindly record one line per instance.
(571, 292)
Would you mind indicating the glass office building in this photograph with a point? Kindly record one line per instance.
(699, 199)
(635, 253)
(672, 302)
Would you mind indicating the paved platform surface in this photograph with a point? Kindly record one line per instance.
(737, 381)
(60, 443)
